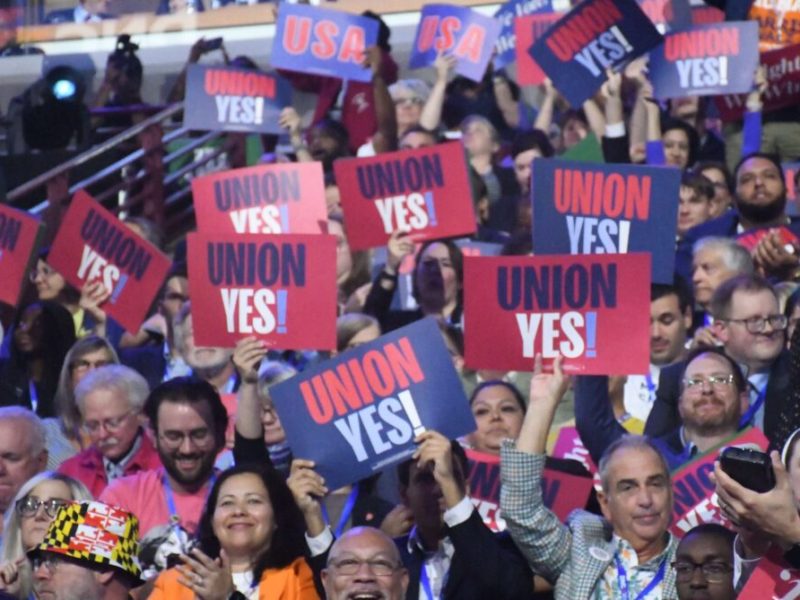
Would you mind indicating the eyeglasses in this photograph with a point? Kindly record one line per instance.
(175, 297)
(82, 365)
(29, 506)
(199, 437)
(49, 561)
(111, 424)
(407, 102)
(758, 324)
(716, 381)
(351, 566)
(714, 572)
(44, 272)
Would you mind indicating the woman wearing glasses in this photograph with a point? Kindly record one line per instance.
(26, 522)
(250, 544)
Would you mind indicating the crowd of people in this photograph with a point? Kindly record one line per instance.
(139, 464)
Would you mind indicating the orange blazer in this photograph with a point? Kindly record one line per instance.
(294, 582)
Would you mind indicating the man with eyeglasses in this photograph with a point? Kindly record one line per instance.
(110, 400)
(751, 327)
(364, 563)
(704, 564)
(188, 422)
(713, 392)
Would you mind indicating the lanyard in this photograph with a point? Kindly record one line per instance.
(346, 512)
(748, 417)
(651, 387)
(173, 511)
(33, 395)
(425, 582)
(622, 579)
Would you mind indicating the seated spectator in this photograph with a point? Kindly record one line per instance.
(352, 267)
(498, 408)
(355, 329)
(749, 324)
(121, 86)
(343, 577)
(87, 11)
(704, 563)
(449, 553)
(712, 400)
(35, 506)
(715, 260)
(792, 312)
(693, 110)
(526, 146)
(417, 137)
(64, 435)
(694, 206)
(41, 335)
(263, 559)
(721, 178)
(437, 282)
(177, 7)
(110, 400)
(89, 552)
(590, 556)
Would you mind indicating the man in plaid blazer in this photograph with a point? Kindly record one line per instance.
(626, 554)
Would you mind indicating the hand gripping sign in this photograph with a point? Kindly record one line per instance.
(425, 191)
(19, 235)
(358, 413)
(706, 60)
(279, 288)
(594, 36)
(325, 42)
(461, 32)
(584, 208)
(94, 245)
(229, 99)
(593, 310)
(280, 198)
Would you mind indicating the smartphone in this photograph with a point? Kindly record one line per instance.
(750, 468)
(212, 44)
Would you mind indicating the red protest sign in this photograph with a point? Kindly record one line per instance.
(783, 84)
(694, 496)
(592, 309)
(528, 29)
(750, 239)
(561, 492)
(93, 245)
(570, 446)
(18, 236)
(425, 191)
(772, 578)
(281, 198)
(281, 289)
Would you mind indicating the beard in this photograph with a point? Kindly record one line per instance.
(196, 477)
(762, 213)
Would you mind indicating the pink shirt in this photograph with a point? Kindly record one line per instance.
(144, 495)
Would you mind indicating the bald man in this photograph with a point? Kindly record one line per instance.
(364, 561)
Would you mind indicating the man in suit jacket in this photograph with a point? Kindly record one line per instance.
(741, 306)
(87, 11)
(625, 553)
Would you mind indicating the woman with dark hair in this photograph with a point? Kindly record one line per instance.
(250, 543)
(436, 283)
(41, 335)
(498, 408)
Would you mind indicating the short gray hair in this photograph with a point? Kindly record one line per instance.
(735, 256)
(628, 442)
(119, 378)
(418, 88)
(38, 434)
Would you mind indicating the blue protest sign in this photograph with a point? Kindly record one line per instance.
(505, 46)
(359, 413)
(228, 99)
(322, 42)
(706, 60)
(462, 32)
(591, 208)
(593, 36)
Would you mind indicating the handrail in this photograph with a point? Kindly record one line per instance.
(92, 153)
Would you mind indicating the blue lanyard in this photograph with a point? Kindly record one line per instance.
(651, 387)
(748, 417)
(622, 579)
(173, 511)
(425, 582)
(33, 395)
(346, 512)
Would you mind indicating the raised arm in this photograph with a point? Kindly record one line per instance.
(431, 114)
(385, 138)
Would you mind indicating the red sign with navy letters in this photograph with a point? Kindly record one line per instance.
(281, 289)
(94, 245)
(425, 192)
(279, 198)
(594, 310)
(19, 233)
